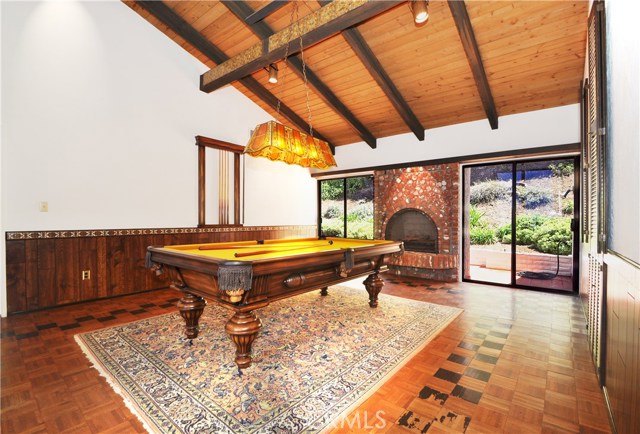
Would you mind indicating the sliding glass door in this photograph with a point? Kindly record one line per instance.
(487, 210)
(518, 220)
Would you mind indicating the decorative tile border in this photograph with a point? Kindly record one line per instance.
(35, 235)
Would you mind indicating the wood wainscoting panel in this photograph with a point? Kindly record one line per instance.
(622, 379)
(44, 269)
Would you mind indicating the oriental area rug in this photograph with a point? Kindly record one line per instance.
(314, 360)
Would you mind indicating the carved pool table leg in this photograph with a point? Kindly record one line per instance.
(324, 291)
(243, 327)
(191, 307)
(374, 284)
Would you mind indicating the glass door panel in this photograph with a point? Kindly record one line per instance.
(332, 197)
(360, 207)
(544, 210)
(487, 223)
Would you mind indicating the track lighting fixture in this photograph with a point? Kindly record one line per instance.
(420, 11)
(273, 74)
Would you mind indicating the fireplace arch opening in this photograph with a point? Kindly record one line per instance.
(415, 229)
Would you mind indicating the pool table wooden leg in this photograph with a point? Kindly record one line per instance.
(191, 307)
(243, 327)
(374, 284)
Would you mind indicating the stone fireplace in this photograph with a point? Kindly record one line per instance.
(419, 205)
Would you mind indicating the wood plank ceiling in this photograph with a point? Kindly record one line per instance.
(386, 76)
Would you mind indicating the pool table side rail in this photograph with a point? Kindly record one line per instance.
(273, 278)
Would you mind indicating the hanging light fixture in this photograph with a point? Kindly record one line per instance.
(273, 74)
(420, 11)
(278, 142)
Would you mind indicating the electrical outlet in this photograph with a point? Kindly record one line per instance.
(44, 206)
(86, 275)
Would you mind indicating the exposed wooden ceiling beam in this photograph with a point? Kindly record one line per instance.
(265, 11)
(176, 23)
(370, 61)
(468, 39)
(310, 29)
(241, 10)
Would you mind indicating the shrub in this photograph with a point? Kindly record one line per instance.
(360, 188)
(333, 228)
(564, 168)
(362, 229)
(360, 212)
(482, 235)
(533, 197)
(567, 207)
(474, 217)
(554, 236)
(332, 212)
(526, 226)
(503, 234)
(489, 191)
(332, 189)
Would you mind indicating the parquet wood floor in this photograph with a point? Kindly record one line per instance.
(514, 361)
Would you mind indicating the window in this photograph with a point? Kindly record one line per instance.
(351, 197)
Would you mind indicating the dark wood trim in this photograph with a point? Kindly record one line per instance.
(468, 39)
(340, 19)
(201, 185)
(108, 233)
(370, 61)
(603, 126)
(219, 144)
(172, 20)
(241, 10)
(206, 142)
(236, 189)
(533, 152)
(265, 11)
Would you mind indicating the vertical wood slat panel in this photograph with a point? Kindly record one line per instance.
(44, 273)
(102, 277)
(116, 268)
(16, 275)
(31, 278)
(67, 271)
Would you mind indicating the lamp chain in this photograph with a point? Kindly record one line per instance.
(294, 12)
(304, 73)
(306, 87)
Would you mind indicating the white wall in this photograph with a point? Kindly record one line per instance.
(99, 114)
(556, 126)
(3, 261)
(623, 77)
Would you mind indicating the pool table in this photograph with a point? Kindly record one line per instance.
(247, 275)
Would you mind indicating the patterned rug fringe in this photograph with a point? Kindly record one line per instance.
(390, 374)
(135, 410)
